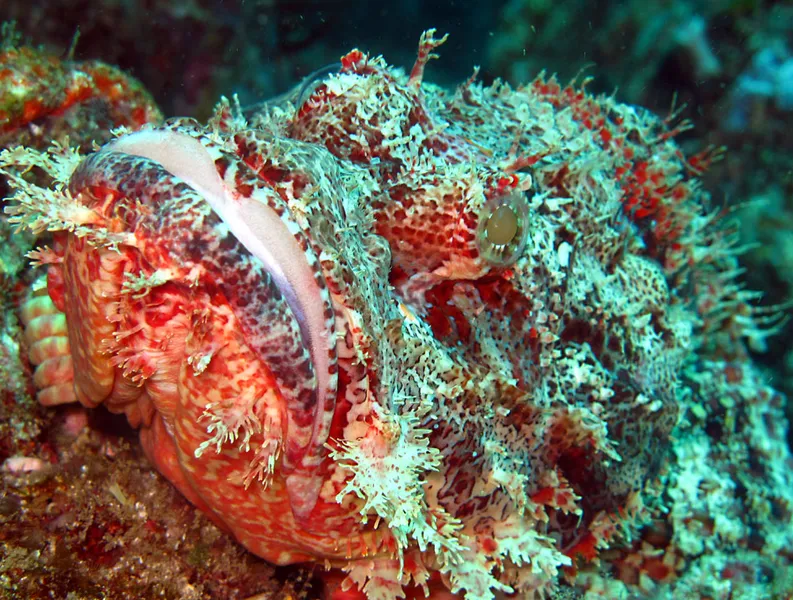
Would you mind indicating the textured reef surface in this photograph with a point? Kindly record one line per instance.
(478, 343)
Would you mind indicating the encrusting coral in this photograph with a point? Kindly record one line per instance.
(439, 340)
(45, 97)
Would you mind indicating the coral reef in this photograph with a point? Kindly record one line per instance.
(44, 98)
(537, 379)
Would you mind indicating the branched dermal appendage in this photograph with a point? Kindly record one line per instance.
(138, 285)
(427, 44)
(52, 208)
(262, 466)
(391, 485)
(44, 255)
(237, 421)
(200, 360)
(235, 424)
(226, 116)
(41, 209)
(134, 365)
(58, 162)
(115, 133)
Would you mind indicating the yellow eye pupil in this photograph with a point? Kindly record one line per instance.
(502, 226)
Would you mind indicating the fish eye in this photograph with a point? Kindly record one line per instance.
(503, 227)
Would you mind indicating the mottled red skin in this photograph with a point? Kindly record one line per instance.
(657, 196)
(266, 525)
(431, 224)
(146, 375)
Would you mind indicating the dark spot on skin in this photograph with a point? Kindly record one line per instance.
(222, 166)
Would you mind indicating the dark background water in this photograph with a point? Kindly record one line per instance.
(186, 52)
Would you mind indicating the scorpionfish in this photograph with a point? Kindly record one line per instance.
(429, 337)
